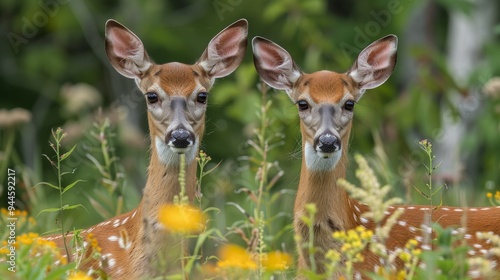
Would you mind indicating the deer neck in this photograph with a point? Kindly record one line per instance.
(320, 188)
(161, 187)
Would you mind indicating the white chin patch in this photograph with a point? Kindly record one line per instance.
(318, 161)
(170, 156)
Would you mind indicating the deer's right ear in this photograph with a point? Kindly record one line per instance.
(126, 51)
(274, 64)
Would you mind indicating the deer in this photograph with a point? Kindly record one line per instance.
(176, 96)
(325, 101)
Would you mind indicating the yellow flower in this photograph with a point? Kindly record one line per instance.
(339, 235)
(332, 255)
(79, 275)
(405, 257)
(401, 275)
(412, 243)
(93, 243)
(46, 243)
(416, 252)
(497, 195)
(489, 195)
(236, 257)
(277, 261)
(27, 238)
(182, 219)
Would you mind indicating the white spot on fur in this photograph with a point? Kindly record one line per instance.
(410, 207)
(458, 210)
(116, 223)
(444, 208)
(467, 236)
(113, 238)
(402, 223)
(426, 247)
(412, 229)
(364, 220)
(111, 263)
(477, 246)
(471, 252)
(133, 214)
(473, 209)
(123, 244)
(125, 220)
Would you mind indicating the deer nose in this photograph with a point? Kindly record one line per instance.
(328, 143)
(180, 138)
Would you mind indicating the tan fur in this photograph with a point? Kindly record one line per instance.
(134, 245)
(326, 116)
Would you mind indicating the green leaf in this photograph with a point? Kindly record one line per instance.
(46, 184)
(69, 207)
(67, 154)
(68, 187)
(49, 210)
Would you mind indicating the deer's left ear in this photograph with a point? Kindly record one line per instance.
(225, 51)
(375, 63)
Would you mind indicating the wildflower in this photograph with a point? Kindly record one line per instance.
(497, 195)
(405, 257)
(492, 87)
(27, 238)
(371, 192)
(332, 255)
(182, 219)
(79, 275)
(79, 97)
(489, 195)
(14, 117)
(236, 257)
(416, 252)
(277, 261)
(401, 275)
(93, 243)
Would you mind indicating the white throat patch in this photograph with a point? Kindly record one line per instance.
(317, 163)
(169, 157)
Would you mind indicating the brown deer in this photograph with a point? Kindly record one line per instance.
(325, 102)
(176, 97)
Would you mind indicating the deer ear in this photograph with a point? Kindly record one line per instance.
(274, 64)
(125, 51)
(225, 51)
(375, 63)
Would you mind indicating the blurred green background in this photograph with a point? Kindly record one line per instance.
(443, 89)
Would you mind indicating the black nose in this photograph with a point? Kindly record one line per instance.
(180, 138)
(328, 143)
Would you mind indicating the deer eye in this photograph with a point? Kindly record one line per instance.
(152, 97)
(202, 97)
(303, 105)
(349, 105)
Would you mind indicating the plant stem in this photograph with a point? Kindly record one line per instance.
(58, 137)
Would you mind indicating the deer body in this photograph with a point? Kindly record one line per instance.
(325, 102)
(176, 96)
